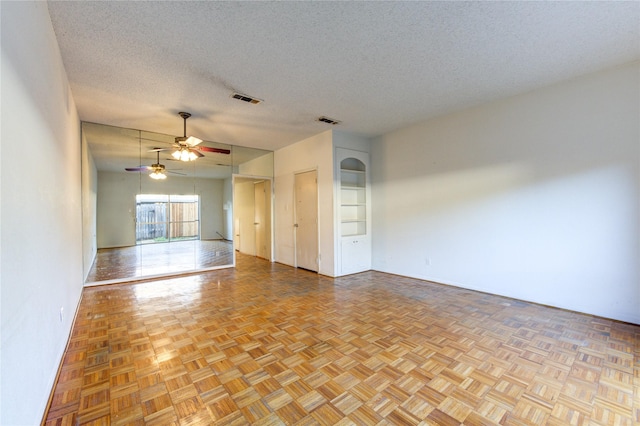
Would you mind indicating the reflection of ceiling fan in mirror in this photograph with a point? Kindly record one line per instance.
(185, 147)
(157, 170)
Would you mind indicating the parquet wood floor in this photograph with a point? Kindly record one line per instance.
(266, 344)
(135, 262)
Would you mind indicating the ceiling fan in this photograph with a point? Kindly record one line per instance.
(157, 170)
(185, 147)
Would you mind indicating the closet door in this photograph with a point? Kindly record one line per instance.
(260, 219)
(306, 220)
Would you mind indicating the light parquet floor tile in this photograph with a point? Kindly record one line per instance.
(266, 344)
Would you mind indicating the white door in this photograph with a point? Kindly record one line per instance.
(260, 219)
(306, 220)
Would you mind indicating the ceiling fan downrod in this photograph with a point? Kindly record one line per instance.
(184, 116)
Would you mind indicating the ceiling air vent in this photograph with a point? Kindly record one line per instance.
(329, 120)
(246, 98)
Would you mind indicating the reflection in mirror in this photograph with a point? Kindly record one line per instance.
(252, 212)
(154, 215)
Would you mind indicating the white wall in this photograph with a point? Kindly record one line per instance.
(41, 236)
(117, 204)
(212, 199)
(535, 197)
(89, 206)
(227, 206)
(261, 166)
(351, 141)
(316, 153)
(116, 209)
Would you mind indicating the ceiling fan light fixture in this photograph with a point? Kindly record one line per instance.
(183, 150)
(184, 154)
(157, 175)
(157, 170)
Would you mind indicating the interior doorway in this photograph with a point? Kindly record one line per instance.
(260, 218)
(306, 220)
(252, 216)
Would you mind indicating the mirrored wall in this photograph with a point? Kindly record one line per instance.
(147, 214)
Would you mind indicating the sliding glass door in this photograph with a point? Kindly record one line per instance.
(163, 218)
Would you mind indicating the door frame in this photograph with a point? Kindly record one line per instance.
(247, 178)
(295, 217)
(261, 204)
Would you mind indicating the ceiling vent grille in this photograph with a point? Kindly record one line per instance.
(246, 98)
(329, 120)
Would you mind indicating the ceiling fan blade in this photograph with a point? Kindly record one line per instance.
(175, 173)
(193, 141)
(218, 150)
(138, 169)
(196, 152)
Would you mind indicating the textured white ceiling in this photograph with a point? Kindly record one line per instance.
(376, 66)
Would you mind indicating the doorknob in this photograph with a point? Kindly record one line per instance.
(295, 225)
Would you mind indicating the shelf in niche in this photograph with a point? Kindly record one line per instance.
(353, 209)
(351, 180)
(352, 228)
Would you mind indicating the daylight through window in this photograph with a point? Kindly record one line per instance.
(163, 218)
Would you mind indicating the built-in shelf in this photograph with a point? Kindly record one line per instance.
(353, 201)
(353, 211)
